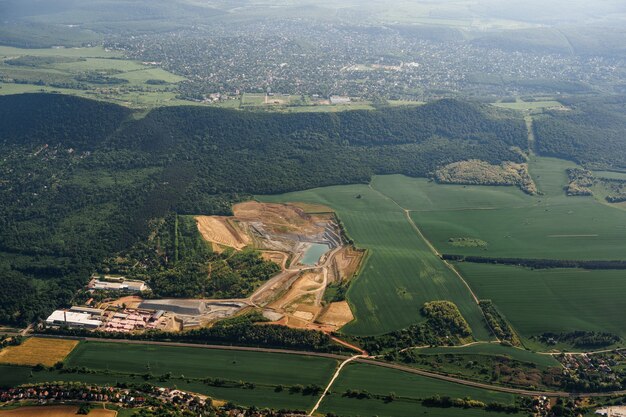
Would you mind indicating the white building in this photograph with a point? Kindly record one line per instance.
(121, 284)
(73, 319)
(339, 100)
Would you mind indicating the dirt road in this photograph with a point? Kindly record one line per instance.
(332, 380)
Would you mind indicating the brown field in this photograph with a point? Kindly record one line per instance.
(38, 350)
(55, 411)
(279, 258)
(347, 262)
(313, 208)
(301, 304)
(219, 230)
(280, 218)
(336, 314)
(131, 301)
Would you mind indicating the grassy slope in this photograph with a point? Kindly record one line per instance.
(401, 274)
(383, 381)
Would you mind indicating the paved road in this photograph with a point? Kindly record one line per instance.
(359, 359)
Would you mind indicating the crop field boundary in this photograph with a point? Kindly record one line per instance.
(407, 215)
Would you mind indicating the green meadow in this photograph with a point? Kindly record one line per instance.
(552, 300)
(261, 368)
(493, 349)
(513, 224)
(401, 272)
(95, 73)
(409, 390)
(110, 363)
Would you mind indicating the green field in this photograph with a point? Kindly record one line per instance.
(401, 272)
(115, 362)
(110, 363)
(552, 300)
(513, 224)
(262, 368)
(75, 71)
(493, 349)
(409, 390)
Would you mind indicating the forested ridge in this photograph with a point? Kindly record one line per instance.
(80, 180)
(591, 132)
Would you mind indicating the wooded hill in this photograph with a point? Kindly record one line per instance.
(591, 133)
(80, 180)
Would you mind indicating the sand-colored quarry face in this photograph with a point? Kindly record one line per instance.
(336, 314)
(346, 263)
(278, 218)
(305, 290)
(222, 232)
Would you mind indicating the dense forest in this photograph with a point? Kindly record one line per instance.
(82, 180)
(591, 132)
(176, 262)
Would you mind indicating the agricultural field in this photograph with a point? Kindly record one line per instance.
(401, 272)
(409, 390)
(489, 363)
(188, 368)
(497, 221)
(261, 368)
(88, 72)
(511, 223)
(493, 349)
(254, 368)
(572, 299)
(37, 350)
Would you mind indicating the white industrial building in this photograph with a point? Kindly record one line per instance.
(73, 319)
(120, 285)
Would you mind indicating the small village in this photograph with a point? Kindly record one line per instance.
(149, 397)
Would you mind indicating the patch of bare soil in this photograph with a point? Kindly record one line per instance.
(313, 208)
(347, 262)
(277, 218)
(131, 301)
(301, 304)
(336, 314)
(279, 258)
(221, 231)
